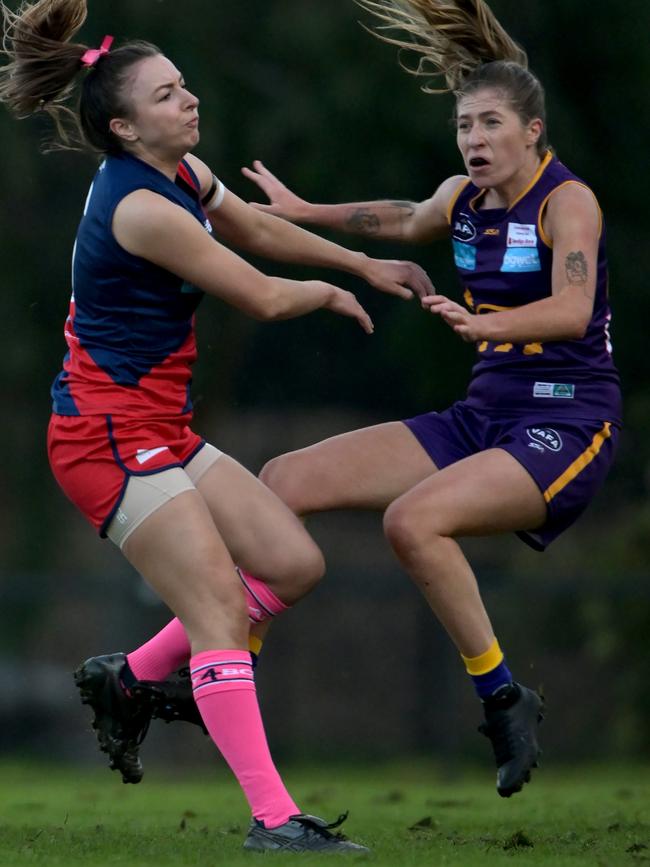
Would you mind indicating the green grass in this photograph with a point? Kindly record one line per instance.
(409, 815)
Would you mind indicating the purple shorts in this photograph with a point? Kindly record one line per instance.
(567, 458)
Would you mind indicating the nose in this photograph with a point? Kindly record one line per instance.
(475, 135)
(192, 101)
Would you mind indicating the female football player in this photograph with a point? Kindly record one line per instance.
(535, 435)
(119, 440)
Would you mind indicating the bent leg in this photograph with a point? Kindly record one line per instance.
(362, 469)
(263, 536)
(489, 492)
(180, 553)
(483, 494)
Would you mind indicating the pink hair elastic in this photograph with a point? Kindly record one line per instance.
(89, 58)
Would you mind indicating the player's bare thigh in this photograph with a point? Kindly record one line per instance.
(486, 493)
(362, 469)
(179, 551)
(261, 533)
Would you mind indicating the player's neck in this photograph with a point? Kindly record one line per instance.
(165, 163)
(505, 194)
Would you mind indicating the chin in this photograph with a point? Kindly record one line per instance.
(479, 179)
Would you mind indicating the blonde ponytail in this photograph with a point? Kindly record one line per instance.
(451, 38)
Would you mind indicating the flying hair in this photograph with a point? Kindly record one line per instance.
(43, 62)
(452, 39)
(44, 67)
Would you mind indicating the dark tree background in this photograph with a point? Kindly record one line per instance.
(299, 84)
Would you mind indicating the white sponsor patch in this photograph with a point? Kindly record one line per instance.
(547, 437)
(144, 455)
(564, 390)
(522, 235)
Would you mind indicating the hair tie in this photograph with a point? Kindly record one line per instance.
(91, 56)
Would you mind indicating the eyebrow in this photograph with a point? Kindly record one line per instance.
(169, 83)
(481, 114)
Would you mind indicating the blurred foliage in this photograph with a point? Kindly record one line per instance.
(299, 84)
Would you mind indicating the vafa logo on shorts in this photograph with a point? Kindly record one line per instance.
(544, 437)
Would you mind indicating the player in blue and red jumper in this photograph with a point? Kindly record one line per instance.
(535, 436)
(119, 441)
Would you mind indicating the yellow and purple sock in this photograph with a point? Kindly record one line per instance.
(254, 648)
(488, 671)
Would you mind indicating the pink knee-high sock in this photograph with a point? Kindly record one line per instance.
(262, 602)
(170, 648)
(162, 654)
(224, 690)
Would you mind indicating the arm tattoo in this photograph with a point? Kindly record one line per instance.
(364, 221)
(368, 221)
(576, 270)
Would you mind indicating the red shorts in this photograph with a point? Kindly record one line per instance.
(93, 457)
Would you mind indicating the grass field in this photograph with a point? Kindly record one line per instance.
(408, 814)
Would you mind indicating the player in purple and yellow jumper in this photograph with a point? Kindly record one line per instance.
(535, 436)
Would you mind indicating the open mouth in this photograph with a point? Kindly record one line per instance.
(478, 163)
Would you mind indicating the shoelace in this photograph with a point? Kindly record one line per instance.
(321, 828)
(169, 700)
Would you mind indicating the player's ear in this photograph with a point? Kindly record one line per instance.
(534, 131)
(123, 129)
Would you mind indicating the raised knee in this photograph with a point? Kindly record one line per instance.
(278, 475)
(306, 569)
(406, 528)
(274, 473)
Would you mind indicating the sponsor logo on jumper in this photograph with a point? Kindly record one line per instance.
(522, 235)
(536, 446)
(464, 255)
(464, 229)
(546, 437)
(554, 389)
(494, 232)
(144, 455)
(521, 259)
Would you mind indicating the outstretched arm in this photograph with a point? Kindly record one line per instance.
(266, 235)
(154, 228)
(573, 224)
(412, 222)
